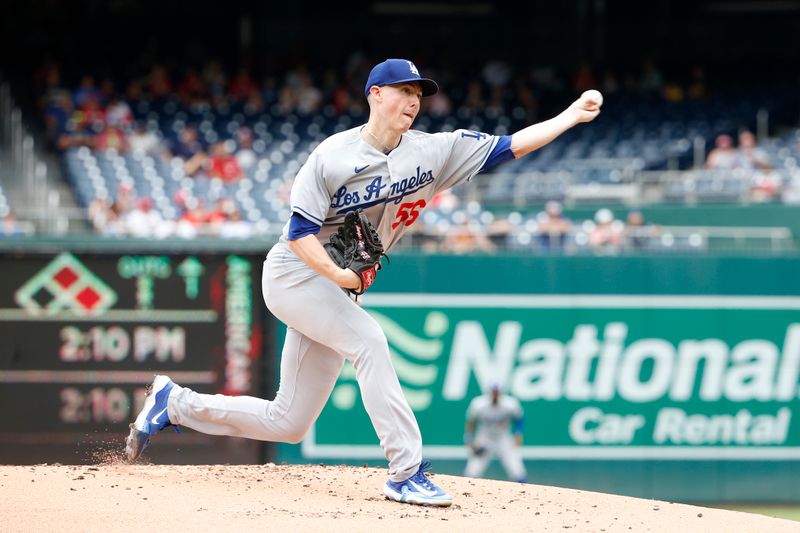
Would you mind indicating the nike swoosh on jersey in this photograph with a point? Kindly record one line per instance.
(362, 169)
(154, 420)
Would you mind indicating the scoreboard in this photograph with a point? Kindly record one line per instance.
(82, 335)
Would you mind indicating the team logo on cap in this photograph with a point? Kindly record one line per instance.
(413, 68)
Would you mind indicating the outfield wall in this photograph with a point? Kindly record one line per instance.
(656, 376)
(662, 377)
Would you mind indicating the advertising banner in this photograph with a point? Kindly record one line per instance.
(599, 376)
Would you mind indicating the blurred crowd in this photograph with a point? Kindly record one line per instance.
(549, 231)
(97, 112)
(746, 155)
(130, 216)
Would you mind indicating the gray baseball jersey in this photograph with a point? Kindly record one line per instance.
(493, 420)
(494, 436)
(345, 173)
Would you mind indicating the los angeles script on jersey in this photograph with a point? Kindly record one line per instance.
(371, 194)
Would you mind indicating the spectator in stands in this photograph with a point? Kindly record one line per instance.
(607, 234)
(195, 213)
(553, 228)
(445, 200)
(191, 90)
(142, 140)
(234, 227)
(284, 190)
(158, 83)
(242, 85)
(245, 155)
(638, 234)
(222, 164)
(86, 90)
(134, 92)
(144, 221)
(10, 227)
(309, 97)
(111, 138)
(765, 184)
(287, 99)
(270, 91)
(749, 155)
(343, 96)
(192, 216)
(791, 191)
(464, 238)
(215, 80)
(118, 113)
(219, 213)
(723, 155)
(188, 148)
(125, 200)
(71, 136)
(254, 102)
(104, 217)
(58, 111)
(90, 115)
(186, 145)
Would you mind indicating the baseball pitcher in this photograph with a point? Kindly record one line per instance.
(354, 197)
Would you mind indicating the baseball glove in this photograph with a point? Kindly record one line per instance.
(357, 246)
(477, 449)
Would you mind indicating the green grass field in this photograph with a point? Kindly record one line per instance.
(789, 512)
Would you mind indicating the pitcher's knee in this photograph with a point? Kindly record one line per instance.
(295, 433)
(373, 345)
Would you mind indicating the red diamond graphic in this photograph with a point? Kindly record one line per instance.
(88, 297)
(65, 277)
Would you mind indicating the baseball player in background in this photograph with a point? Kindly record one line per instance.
(390, 172)
(499, 419)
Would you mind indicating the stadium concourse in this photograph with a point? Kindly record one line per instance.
(210, 151)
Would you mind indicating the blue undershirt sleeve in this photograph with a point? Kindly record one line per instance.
(300, 226)
(501, 152)
(516, 426)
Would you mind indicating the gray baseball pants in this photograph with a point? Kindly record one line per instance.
(325, 327)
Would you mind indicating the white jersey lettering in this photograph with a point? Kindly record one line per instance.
(344, 173)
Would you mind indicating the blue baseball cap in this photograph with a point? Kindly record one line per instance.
(399, 71)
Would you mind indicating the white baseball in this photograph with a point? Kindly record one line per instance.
(593, 94)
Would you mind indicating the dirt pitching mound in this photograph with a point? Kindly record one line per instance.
(119, 497)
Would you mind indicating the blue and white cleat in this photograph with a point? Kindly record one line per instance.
(418, 489)
(152, 418)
